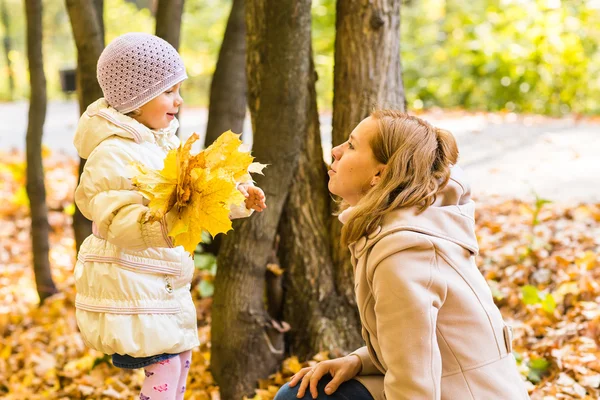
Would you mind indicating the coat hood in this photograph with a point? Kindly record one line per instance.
(451, 217)
(100, 122)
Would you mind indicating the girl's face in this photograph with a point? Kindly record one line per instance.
(355, 168)
(160, 111)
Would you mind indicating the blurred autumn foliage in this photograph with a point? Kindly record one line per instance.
(540, 259)
(488, 55)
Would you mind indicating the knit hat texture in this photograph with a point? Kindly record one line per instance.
(137, 67)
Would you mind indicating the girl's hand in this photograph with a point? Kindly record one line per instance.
(255, 197)
(341, 369)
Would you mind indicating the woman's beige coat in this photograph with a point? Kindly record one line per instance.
(431, 328)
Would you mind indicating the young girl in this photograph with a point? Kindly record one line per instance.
(430, 325)
(133, 287)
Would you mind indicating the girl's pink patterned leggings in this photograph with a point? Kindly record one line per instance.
(165, 380)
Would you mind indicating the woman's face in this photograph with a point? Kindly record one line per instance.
(355, 169)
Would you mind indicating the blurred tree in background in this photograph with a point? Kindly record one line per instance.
(537, 56)
(36, 190)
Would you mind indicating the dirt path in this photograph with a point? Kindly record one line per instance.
(503, 155)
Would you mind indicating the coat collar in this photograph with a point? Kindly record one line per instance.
(451, 218)
(100, 121)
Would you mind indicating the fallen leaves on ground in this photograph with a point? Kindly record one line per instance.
(540, 259)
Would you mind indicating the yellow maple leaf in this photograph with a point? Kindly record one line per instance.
(256, 168)
(291, 365)
(224, 153)
(158, 186)
(210, 199)
(198, 189)
(186, 164)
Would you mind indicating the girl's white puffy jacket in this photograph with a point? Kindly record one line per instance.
(133, 286)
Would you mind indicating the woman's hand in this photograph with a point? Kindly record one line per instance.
(341, 369)
(255, 197)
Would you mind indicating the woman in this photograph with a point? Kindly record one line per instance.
(431, 328)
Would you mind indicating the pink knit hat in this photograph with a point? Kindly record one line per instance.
(137, 67)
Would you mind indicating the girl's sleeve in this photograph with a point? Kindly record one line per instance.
(106, 196)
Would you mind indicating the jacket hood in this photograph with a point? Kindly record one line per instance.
(451, 218)
(100, 122)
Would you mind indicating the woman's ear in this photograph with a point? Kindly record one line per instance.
(375, 180)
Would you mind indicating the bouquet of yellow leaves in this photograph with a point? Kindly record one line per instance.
(199, 189)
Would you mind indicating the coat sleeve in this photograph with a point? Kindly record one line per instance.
(106, 196)
(408, 293)
(368, 366)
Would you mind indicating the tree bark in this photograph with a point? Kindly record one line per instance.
(36, 190)
(168, 20)
(227, 104)
(99, 6)
(367, 74)
(168, 25)
(367, 69)
(227, 107)
(320, 316)
(244, 347)
(7, 48)
(86, 16)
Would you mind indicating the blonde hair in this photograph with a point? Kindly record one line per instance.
(418, 158)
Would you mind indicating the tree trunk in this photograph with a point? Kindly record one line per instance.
(36, 190)
(321, 317)
(7, 47)
(85, 16)
(227, 107)
(168, 20)
(367, 62)
(244, 346)
(227, 104)
(99, 5)
(367, 74)
(168, 25)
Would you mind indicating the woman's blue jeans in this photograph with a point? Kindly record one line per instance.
(349, 390)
